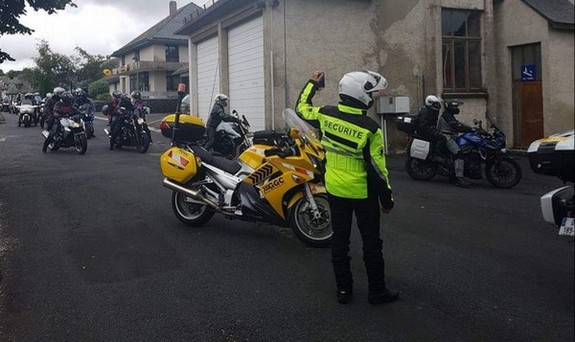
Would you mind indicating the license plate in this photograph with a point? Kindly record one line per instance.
(45, 134)
(567, 227)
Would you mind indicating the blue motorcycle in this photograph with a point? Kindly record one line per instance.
(87, 112)
(483, 150)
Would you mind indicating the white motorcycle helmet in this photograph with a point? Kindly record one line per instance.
(221, 98)
(433, 102)
(360, 86)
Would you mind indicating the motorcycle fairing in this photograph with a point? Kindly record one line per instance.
(254, 207)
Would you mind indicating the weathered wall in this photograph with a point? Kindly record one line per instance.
(518, 24)
(560, 108)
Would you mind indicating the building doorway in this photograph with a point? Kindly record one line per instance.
(527, 94)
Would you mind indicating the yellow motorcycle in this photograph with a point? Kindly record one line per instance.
(277, 180)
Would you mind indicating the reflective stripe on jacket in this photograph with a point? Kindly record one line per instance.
(355, 163)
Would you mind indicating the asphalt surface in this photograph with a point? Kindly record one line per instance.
(91, 251)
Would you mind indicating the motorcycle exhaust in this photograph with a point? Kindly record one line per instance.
(197, 195)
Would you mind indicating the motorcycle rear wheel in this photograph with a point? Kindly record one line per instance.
(311, 231)
(420, 169)
(503, 173)
(190, 213)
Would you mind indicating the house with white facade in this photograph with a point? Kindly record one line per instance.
(261, 52)
(153, 62)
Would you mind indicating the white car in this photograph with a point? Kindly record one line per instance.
(554, 156)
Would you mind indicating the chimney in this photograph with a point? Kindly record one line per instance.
(173, 7)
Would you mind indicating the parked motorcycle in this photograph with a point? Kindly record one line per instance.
(87, 112)
(481, 147)
(134, 131)
(69, 133)
(277, 180)
(555, 156)
(232, 137)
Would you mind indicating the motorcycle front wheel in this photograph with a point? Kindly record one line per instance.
(420, 169)
(143, 144)
(503, 173)
(81, 143)
(314, 232)
(189, 211)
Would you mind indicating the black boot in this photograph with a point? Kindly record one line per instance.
(344, 295)
(381, 297)
(460, 181)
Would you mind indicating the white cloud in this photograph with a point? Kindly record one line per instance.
(98, 26)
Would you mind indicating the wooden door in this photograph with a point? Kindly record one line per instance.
(531, 97)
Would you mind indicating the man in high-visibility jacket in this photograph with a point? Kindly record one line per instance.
(356, 177)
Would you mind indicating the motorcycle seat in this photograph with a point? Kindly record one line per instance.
(216, 159)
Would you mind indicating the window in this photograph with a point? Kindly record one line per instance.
(172, 53)
(140, 81)
(461, 50)
(171, 81)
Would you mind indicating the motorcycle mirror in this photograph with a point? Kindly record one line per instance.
(294, 133)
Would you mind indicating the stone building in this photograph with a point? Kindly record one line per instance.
(512, 59)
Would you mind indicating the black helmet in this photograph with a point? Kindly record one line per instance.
(136, 95)
(67, 98)
(117, 94)
(452, 106)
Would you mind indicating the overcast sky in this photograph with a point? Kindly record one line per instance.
(98, 26)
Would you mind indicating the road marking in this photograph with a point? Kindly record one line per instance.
(2, 139)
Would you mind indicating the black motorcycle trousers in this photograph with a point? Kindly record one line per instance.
(211, 132)
(367, 213)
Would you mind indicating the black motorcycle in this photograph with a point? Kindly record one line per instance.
(133, 132)
(480, 147)
(69, 133)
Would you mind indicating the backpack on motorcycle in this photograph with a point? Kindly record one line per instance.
(406, 123)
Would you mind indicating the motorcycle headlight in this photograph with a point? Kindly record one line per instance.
(76, 125)
(140, 121)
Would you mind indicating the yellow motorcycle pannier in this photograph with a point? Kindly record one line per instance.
(192, 128)
(179, 165)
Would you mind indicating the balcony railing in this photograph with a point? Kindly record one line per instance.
(141, 66)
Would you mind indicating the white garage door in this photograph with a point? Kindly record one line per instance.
(246, 71)
(208, 76)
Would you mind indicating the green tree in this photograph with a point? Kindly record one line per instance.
(99, 90)
(52, 69)
(11, 10)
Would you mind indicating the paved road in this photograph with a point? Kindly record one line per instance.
(91, 251)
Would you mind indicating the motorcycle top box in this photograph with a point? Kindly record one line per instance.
(191, 128)
(554, 156)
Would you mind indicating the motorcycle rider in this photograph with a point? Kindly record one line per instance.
(49, 106)
(123, 101)
(63, 107)
(217, 115)
(450, 127)
(139, 104)
(427, 123)
(356, 177)
(140, 108)
(81, 97)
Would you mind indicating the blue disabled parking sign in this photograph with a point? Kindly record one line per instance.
(528, 72)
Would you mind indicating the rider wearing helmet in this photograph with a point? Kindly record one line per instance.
(80, 98)
(120, 101)
(49, 105)
(139, 104)
(356, 177)
(217, 115)
(427, 123)
(451, 127)
(63, 107)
